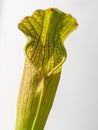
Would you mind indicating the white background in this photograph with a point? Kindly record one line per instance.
(76, 103)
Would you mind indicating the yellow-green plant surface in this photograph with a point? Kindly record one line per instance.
(46, 31)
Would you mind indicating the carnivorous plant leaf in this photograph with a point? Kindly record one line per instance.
(46, 31)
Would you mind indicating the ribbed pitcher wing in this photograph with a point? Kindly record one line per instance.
(35, 98)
